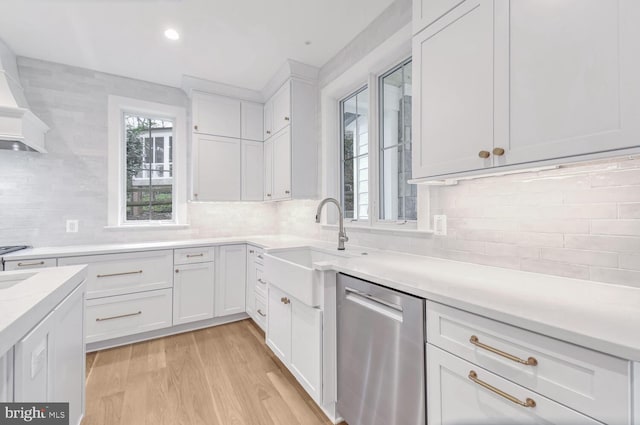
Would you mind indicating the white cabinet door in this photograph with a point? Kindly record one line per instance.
(268, 119)
(282, 165)
(33, 363)
(279, 324)
(306, 347)
(250, 297)
(453, 91)
(461, 393)
(252, 121)
(282, 107)
(426, 12)
(232, 280)
(252, 170)
(217, 172)
(68, 371)
(216, 115)
(193, 286)
(6, 377)
(268, 170)
(574, 85)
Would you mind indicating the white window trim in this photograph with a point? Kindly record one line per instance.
(367, 71)
(117, 106)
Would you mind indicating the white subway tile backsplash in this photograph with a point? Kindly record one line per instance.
(618, 276)
(578, 256)
(629, 210)
(627, 177)
(551, 267)
(616, 227)
(630, 261)
(603, 243)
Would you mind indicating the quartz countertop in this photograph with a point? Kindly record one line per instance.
(37, 292)
(600, 316)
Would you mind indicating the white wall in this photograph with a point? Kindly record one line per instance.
(38, 192)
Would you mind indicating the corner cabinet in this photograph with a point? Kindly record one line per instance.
(501, 83)
(217, 164)
(291, 144)
(231, 280)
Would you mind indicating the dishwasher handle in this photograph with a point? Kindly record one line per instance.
(375, 304)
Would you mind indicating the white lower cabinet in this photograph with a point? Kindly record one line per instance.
(6, 377)
(461, 393)
(193, 287)
(231, 282)
(294, 333)
(122, 315)
(49, 360)
(260, 315)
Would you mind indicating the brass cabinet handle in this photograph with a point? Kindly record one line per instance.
(195, 127)
(102, 319)
(531, 361)
(285, 300)
(261, 313)
(260, 256)
(268, 195)
(251, 251)
(268, 132)
(498, 151)
(286, 119)
(529, 402)
(37, 263)
(195, 255)
(118, 274)
(484, 154)
(262, 281)
(177, 270)
(288, 192)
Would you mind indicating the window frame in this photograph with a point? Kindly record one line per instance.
(118, 107)
(380, 145)
(373, 83)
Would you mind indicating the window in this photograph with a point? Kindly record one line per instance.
(398, 199)
(355, 155)
(149, 168)
(147, 164)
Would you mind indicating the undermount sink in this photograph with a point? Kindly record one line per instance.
(12, 279)
(291, 269)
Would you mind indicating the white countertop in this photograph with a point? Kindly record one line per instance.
(27, 302)
(600, 316)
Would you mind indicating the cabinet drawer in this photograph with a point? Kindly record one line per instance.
(260, 315)
(116, 274)
(29, 264)
(588, 381)
(261, 283)
(193, 255)
(113, 317)
(459, 392)
(259, 255)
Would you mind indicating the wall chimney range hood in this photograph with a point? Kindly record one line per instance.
(20, 129)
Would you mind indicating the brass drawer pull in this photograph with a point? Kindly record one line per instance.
(260, 256)
(195, 255)
(286, 118)
(285, 300)
(529, 402)
(484, 154)
(37, 263)
(262, 281)
(101, 319)
(261, 313)
(531, 361)
(498, 151)
(119, 274)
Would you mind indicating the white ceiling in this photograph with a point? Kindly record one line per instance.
(237, 42)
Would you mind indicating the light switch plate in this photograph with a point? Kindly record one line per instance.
(72, 226)
(440, 225)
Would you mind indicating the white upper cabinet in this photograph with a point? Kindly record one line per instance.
(282, 107)
(523, 83)
(282, 165)
(216, 115)
(251, 121)
(453, 92)
(574, 85)
(252, 170)
(217, 176)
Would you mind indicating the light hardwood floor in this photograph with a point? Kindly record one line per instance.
(220, 375)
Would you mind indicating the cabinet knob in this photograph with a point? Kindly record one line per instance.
(484, 154)
(268, 132)
(195, 195)
(251, 251)
(195, 127)
(288, 192)
(177, 270)
(269, 195)
(498, 151)
(282, 299)
(286, 118)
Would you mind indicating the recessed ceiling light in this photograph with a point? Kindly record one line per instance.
(172, 34)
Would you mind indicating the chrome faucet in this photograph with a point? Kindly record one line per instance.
(342, 235)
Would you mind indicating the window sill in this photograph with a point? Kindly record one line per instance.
(171, 226)
(380, 230)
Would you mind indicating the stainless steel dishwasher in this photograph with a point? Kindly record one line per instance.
(381, 355)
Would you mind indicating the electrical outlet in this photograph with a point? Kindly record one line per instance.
(440, 225)
(72, 226)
